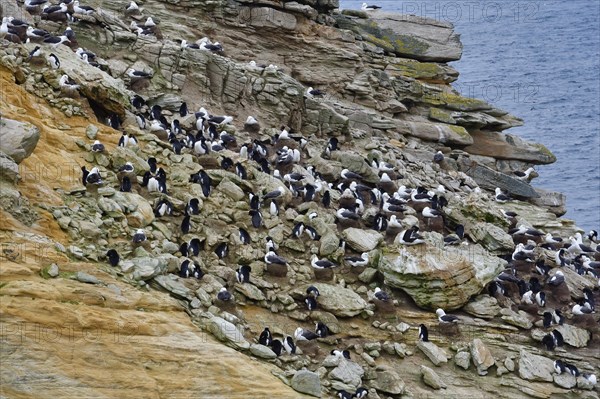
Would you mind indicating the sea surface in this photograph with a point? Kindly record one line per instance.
(539, 60)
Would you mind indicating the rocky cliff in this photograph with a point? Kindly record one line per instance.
(74, 325)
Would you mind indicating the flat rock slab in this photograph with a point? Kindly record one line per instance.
(409, 36)
(227, 332)
(342, 302)
(490, 179)
(433, 352)
(535, 368)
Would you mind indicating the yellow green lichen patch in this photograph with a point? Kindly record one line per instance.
(441, 115)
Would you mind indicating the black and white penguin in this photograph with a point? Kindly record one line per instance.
(341, 353)
(244, 236)
(139, 236)
(194, 247)
(163, 208)
(185, 224)
(222, 250)
(125, 186)
(256, 217)
(277, 347)
(423, 333)
(311, 303)
(289, 345)
(360, 393)
(113, 257)
(97, 146)
(321, 330)
(224, 295)
(312, 291)
(242, 274)
(265, 337)
(93, 177)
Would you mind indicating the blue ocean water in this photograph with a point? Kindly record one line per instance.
(539, 60)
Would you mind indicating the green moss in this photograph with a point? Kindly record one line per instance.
(2, 285)
(456, 102)
(461, 131)
(420, 70)
(44, 273)
(544, 150)
(410, 45)
(441, 115)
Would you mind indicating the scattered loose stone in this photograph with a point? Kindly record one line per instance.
(307, 382)
(433, 352)
(431, 378)
(53, 270)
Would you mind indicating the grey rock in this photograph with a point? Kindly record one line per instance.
(119, 156)
(554, 201)
(574, 336)
(86, 278)
(341, 301)
(584, 383)
(9, 170)
(462, 359)
(91, 132)
(262, 351)
(250, 291)
(507, 146)
(520, 319)
(481, 355)
(388, 381)
(305, 381)
(438, 277)
(565, 380)
(329, 244)
(483, 306)
(362, 240)
(431, 378)
(146, 268)
(227, 332)
(173, 284)
(18, 139)
(348, 372)
(53, 270)
(491, 237)
(368, 275)
(490, 179)
(407, 36)
(534, 367)
(356, 163)
(433, 352)
(231, 190)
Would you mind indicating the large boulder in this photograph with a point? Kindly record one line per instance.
(408, 36)
(308, 382)
(362, 240)
(9, 170)
(490, 179)
(438, 277)
(348, 372)
(227, 332)
(18, 139)
(534, 367)
(507, 146)
(341, 301)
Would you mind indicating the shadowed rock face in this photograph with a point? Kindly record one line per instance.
(74, 322)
